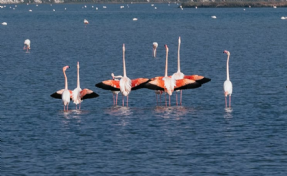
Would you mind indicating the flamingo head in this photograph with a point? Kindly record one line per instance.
(113, 75)
(124, 48)
(78, 65)
(227, 52)
(179, 40)
(65, 68)
(166, 47)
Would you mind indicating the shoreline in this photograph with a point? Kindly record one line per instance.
(233, 4)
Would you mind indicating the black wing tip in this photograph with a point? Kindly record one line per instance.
(106, 87)
(55, 95)
(152, 87)
(189, 86)
(99, 85)
(142, 85)
(203, 80)
(91, 95)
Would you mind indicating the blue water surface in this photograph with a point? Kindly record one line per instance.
(200, 137)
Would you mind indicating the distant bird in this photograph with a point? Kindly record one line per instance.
(4, 23)
(115, 93)
(155, 45)
(179, 75)
(135, 19)
(64, 94)
(78, 95)
(86, 21)
(27, 46)
(168, 83)
(227, 86)
(125, 85)
(213, 17)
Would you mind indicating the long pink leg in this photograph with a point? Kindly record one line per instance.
(64, 108)
(123, 100)
(127, 101)
(225, 102)
(175, 98)
(160, 97)
(169, 100)
(80, 106)
(229, 101)
(165, 100)
(117, 99)
(180, 97)
(156, 98)
(114, 99)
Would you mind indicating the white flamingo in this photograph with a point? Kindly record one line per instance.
(64, 94)
(27, 45)
(227, 86)
(125, 85)
(78, 94)
(155, 45)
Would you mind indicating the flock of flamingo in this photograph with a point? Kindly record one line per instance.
(168, 84)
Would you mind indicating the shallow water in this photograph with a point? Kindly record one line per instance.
(201, 137)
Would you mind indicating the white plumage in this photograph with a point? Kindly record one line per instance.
(27, 42)
(155, 45)
(66, 97)
(227, 86)
(125, 86)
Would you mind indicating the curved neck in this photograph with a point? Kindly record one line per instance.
(166, 63)
(124, 63)
(227, 68)
(116, 77)
(66, 80)
(78, 76)
(178, 56)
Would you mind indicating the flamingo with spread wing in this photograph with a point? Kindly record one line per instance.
(168, 83)
(125, 85)
(64, 94)
(78, 95)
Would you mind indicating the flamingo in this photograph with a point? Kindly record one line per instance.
(125, 85)
(115, 93)
(155, 45)
(86, 21)
(64, 94)
(179, 75)
(78, 95)
(27, 43)
(168, 83)
(227, 86)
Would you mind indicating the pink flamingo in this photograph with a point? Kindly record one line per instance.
(179, 75)
(155, 45)
(64, 94)
(125, 85)
(227, 86)
(27, 47)
(168, 83)
(78, 95)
